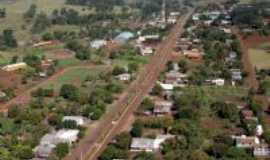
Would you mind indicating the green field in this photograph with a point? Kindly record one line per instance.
(260, 56)
(74, 76)
(16, 8)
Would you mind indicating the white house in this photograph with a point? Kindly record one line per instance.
(142, 144)
(162, 107)
(196, 17)
(97, 44)
(262, 151)
(78, 119)
(49, 141)
(144, 50)
(67, 135)
(166, 87)
(259, 130)
(218, 82)
(147, 144)
(246, 141)
(124, 77)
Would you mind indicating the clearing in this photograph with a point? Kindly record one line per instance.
(260, 56)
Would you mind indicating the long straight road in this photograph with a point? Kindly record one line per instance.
(92, 145)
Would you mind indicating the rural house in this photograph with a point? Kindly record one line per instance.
(246, 141)
(162, 107)
(147, 144)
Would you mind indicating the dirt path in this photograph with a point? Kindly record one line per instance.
(25, 97)
(252, 80)
(248, 67)
(92, 145)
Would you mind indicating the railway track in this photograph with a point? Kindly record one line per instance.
(92, 145)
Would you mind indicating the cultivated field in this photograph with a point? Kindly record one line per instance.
(260, 56)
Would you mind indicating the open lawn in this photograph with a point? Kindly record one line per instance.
(260, 56)
(126, 59)
(74, 76)
(216, 93)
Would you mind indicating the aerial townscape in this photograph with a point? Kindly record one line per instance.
(134, 79)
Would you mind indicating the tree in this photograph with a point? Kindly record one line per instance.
(183, 65)
(62, 149)
(70, 92)
(238, 154)
(5, 154)
(2, 12)
(8, 38)
(224, 110)
(47, 36)
(14, 59)
(31, 12)
(33, 61)
(199, 155)
(14, 111)
(148, 104)
(112, 152)
(157, 90)
(123, 140)
(118, 70)
(23, 151)
(136, 130)
(41, 23)
(133, 67)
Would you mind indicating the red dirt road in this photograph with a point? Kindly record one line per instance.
(248, 67)
(92, 145)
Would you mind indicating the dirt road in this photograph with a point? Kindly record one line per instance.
(25, 97)
(92, 145)
(248, 67)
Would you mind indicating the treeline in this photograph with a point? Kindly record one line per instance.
(2, 12)
(251, 15)
(42, 21)
(7, 39)
(98, 4)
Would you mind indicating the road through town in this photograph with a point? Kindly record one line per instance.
(96, 140)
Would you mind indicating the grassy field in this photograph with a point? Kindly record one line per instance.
(74, 76)
(16, 8)
(260, 56)
(215, 93)
(125, 60)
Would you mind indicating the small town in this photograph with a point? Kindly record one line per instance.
(134, 80)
